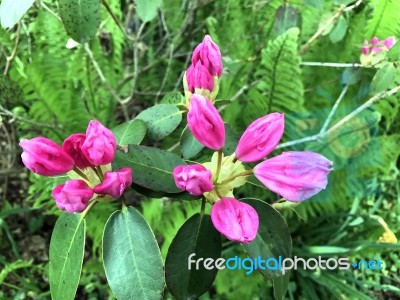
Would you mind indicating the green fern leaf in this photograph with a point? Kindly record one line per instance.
(385, 19)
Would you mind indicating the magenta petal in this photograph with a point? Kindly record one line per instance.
(295, 175)
(236, 220)
(195, 179)
(115, 183)
(72, 145)
(73, 196)
(260, 138)
(205, 123)
(209, 55)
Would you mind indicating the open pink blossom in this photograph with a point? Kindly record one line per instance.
(100, 145)
(236, 220)
(205, 123)
(209, 55)
(260, 138)
(73, 196)
(44, 157)
(198, 77)
(115, 183)
(195, 179)
(72, 145)
(295, 175)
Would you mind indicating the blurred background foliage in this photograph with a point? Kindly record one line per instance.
(52, 89)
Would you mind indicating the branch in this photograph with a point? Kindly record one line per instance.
(14, 51)
(333, 65)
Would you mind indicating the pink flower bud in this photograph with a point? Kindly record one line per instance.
(73, 196)
(198, 77)
(236, 220)
(100, 145)
(207, 52)
(375, 42)
(44, 157)
(72, 145)
(295, 175)
(115, 183)
(260, 138)
(195, 179)
(389, 42)
(365, 48)
(205, 123)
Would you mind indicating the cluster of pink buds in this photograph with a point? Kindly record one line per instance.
(295, 175)
(374, 51)
(202, 77)
(86, 159)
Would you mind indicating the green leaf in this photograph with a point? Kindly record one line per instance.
(383, 78)
(189, 146)
(81, 18)
(152, 167)
(147, 9)
(231, 140)
(339, 32)
(173, 98)
(161, 120)
(131, 132)
(132, 259)
(273, 237)
(286, 17)
(66, 256)
(11, 11)
(281, 284)
(384, 20)
(197, 235)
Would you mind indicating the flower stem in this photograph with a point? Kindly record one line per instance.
(203, 206)
(100, 173)
(235, 159)
(218, 165)
(80, 173)
(89, 207)
(245, 173)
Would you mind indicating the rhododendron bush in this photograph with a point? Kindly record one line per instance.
(246, 168)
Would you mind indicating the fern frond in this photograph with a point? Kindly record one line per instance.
(384, 20)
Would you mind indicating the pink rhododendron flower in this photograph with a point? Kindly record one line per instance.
(389, 42)
(73, 196)
(195, 179)
(72, 145)
(100, 145)
(44, 157)
(198, 77)
(205, 123)
(295, 175)
(236, 220)
(207, 52)
(260, 138)
(115, 183)
(365, 48)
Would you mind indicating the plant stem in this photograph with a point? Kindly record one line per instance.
(245, 173)
(97, 173)
(333, 110)
(218, 165)
(203, 206)
(100, 173)
(80, 173)
(91, 204)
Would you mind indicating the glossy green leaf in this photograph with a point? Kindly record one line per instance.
(273, 238)
(66, 256)
(147, 9)
(161, 120)
(132, 259)
(173, 98)
(81, 18)
(152, 167)
(131, 132)
(189, 146)
(383, 78)
(11, 11)
(197, 235)
(231, 140)
(280, 285)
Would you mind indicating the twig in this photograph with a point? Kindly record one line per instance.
(367, 104)
(8, 113)
(104, 80)
(333, 110)
(50, 11)
(166, 72)
(333, 65)
(351, 7)
(14, 51)
(321, 30)
(343, 121)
